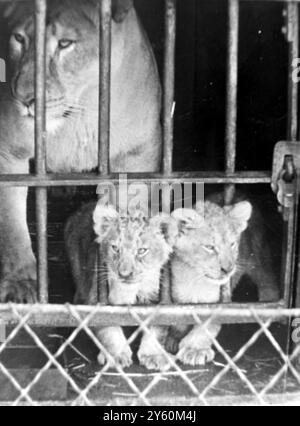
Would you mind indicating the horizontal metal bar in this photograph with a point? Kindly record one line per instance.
(61, 315)
(278, 399)
(90, 179)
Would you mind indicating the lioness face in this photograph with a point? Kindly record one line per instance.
(72, 59)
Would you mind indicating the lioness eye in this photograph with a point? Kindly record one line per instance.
(65, 43)
(142, 252)
(19, 38)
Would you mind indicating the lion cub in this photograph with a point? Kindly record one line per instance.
(205, 259)
(136, 248)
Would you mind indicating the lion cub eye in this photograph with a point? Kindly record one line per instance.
(65, 43)
(115, 249)
(142, 252)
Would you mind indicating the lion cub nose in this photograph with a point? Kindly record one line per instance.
(125, 272)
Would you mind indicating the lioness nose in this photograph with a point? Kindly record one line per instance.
(27, 98)
(228, 268)
(31, 103)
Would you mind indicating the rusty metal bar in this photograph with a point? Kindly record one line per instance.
(232, 88)
(169, 85)
(293, 39)
(61, 316)
(104, 86)
(89, 179)
(40, 147)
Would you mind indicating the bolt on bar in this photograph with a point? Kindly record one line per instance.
(40, 147)
(104, 115)
(232, 88)
(168, 121)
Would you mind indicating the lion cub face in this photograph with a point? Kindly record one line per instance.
(136, 248)
(209, 239)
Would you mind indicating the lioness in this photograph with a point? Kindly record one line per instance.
(135, 249)
(71, 113)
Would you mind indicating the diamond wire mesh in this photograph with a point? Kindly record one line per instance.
(141, 394)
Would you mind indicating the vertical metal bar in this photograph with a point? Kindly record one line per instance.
(168, 121)
(104, 118)
(293, 39)
(104, 86)
(292, 134)
(232, 90)
(40, 146)
(289, 216)
(169, 85)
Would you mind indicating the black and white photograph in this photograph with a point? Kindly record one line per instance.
(149, 205)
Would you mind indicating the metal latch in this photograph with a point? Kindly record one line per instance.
(285, 172)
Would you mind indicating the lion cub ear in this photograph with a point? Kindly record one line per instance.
(241, 214)
(105, 219)
(120, 8)
(167, 226)
(187, 219)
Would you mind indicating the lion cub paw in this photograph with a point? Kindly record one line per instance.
(172, 344)
(195, 356)
(123, 359)
(158, 362)
(18, 290)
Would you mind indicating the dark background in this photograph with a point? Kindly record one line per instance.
(201, 79)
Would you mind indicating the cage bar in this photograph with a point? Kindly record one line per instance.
(104, 117)
(232, 88)
(40, 147)
(293, 39)
(168, 121)
(104, 86)
(61, 315)
(88, 179)
(169, 85)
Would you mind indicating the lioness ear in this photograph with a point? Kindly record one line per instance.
(105, 220)
(187, 219)
(120, 8)
(241, 214)
(167, 226)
